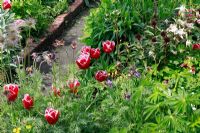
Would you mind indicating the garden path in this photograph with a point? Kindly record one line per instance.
(64, 54)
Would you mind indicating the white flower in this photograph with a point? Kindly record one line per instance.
(180, 33)
(172, 28)
(169, 92)
(166, 21)
(188, 43)
(193, 107)
(180, 22)
(174, 52)
(151, 53)
(182, 9)
(189, 25)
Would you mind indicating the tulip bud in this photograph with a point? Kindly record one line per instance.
(83, 61)
(56, 91)
(74, 45)
(101, 76)
(27, 102)
(108, 46)
(73, 86)
(6, 4)
(95, 53)
(196, 46)
(85, 50)
(11, 91)
(51, 115)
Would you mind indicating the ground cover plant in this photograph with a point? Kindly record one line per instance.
(148, 84)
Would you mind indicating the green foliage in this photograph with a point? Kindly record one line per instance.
(122, 20)
(43, 11)
(159, 99)
(9, 39)
(162, 46)
(153, 105)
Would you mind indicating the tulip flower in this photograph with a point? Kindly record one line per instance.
(6, 4)
(85, 49)
(27, 102)
(108, 46)
(196, 46)
(95, 53)
(56, 91)
(73, 85)
(83, 61)
(11, 91)
(101, 76)
(51, 115)
(193, 70)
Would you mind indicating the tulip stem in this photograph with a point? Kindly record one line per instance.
(90, 104)
(73, 64)
(40, 113)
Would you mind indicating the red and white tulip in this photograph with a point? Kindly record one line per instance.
(101, 76)
(27, 101)
(51, 115)
(95, 53)
(6, 4)
(11, 91)
(83, 61)
(108, 46)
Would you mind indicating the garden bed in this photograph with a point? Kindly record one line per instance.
(139, 72)
(57, 27)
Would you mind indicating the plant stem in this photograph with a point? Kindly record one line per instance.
(176, 84)
(73, 64)
(29, 59)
